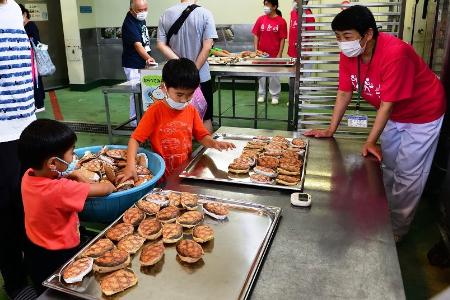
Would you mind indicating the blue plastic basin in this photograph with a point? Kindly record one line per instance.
(107, 209)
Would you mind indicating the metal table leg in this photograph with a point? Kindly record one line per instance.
(267, 97)
(291, 108)
(138, 107)
(255, 122)
(233, 96)
(108, 117)
(220, 99)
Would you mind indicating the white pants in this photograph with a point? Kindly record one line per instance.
(274, 87)
(132, 74)
(408, 151)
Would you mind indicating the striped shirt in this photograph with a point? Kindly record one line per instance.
(16, 82)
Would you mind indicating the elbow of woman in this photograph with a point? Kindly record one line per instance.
(386, 106)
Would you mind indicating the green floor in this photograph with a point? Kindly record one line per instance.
(421, 280)
(89, 107)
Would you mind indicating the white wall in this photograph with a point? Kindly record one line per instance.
(86, 20)
(69, 9)
(110, 13)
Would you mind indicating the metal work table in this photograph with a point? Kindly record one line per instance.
(342, 247)
(128, 87)
(233, 72)
(254, 73)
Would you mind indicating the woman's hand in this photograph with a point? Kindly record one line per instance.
(372, 148)
(128, 173)
(319, 133)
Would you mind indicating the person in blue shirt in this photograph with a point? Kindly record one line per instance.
(136, 44)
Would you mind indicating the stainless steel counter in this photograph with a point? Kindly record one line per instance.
(128, 87)
(253, 71)
(342, 247)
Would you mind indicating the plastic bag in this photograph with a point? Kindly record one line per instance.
(44, 63)
(199, 102)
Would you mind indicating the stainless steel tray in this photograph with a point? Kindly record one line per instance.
(227, 270)
(286, 62)
(212, 165)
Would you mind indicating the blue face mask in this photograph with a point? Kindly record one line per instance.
(70, 167)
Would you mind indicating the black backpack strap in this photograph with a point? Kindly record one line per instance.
(180, 21)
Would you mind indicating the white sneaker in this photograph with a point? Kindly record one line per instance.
(274, 100)
(261, 99)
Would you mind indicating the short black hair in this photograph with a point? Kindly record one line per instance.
(181, 73)
(43, 139)
(24, 10)
(356, 17)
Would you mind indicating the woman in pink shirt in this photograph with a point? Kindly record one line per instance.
(410, 104)
(270, 31)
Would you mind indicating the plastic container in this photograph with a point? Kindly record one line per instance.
(107, 209)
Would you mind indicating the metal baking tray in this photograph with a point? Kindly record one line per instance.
(212, 165)
(288, 62)
(271, 61)
(227, 270)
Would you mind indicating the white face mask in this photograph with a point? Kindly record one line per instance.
(267, 10)
(176, 105)
(141, 16)
(351, 48)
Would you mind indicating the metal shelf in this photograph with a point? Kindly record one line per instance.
(317, 78)
(376, 14)
(328, 24)
(373, 4)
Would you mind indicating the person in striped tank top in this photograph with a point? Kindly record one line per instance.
(16, 112)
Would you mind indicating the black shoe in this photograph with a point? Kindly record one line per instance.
(439, 255)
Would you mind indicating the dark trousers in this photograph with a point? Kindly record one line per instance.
(207, 90)
(39, 93)
(444, 198)
(11, 219)
(41, 263)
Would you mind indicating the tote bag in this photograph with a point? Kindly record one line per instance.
(44, 63)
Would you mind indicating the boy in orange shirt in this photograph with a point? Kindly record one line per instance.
(53, 194)
(170, 124)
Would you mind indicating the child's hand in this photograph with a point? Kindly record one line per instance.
(222, 145)
(101, 189)
(209, 142)
(128, 173)
(77, 175)
(109, 187)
